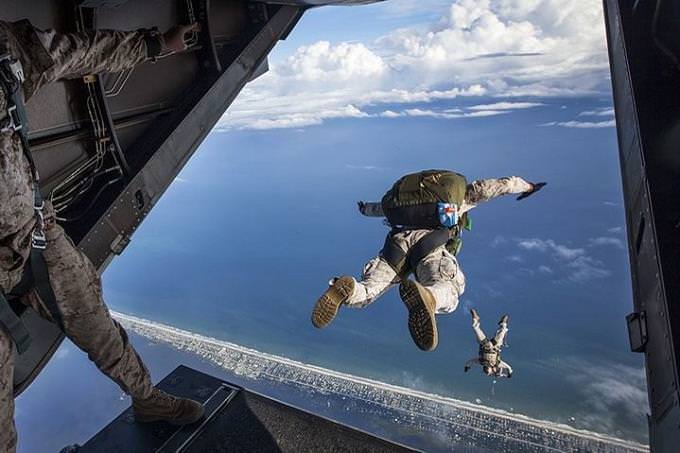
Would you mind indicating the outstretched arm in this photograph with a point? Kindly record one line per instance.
(485, 189)
(470, 363)
(47, 55)
(505, 369)
(370, 209)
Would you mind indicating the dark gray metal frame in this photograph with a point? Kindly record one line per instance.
(106, 233)
(647, 105)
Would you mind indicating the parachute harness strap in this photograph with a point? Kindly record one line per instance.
(403, 262)
(11, 78)
(35, 273)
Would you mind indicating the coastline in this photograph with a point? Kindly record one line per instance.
(472, 420)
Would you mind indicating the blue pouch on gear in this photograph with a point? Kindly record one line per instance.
(448, 214)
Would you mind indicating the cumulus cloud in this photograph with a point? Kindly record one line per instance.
(585, 268)
(582, 124)
(605, 111)
(63, 352)
(499, 48)
(606, 241)
(514, 259)
(579, 124)
(543, 269)
(498, 240)
(559, 250)
(506, 106)
(446, 114)
(610, 391)
(323, 63)
(362, 167)
(574, 262)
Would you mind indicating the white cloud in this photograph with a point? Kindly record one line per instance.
(499, 48)
(578, 266)
(611, 392)
(585, 268)
(445, 114)
(296, 119)
(323, 63)
(543, 269)
(63, 351)
(559, 250)
(582, 124)
(506, 106)
(498, 240)
(605, 111)
(362, 167)
(606, 240)
(616, 230)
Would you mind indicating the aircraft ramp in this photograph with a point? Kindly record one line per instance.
(236, 420)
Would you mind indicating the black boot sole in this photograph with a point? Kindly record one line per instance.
(327, 306)
(421, 322)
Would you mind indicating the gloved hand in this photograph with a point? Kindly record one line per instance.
(535, 187)
(467, 368)
(362, 207)
(174, 39)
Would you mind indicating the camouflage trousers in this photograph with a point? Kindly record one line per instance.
(87, 323)
(438, 271)
(498, 339)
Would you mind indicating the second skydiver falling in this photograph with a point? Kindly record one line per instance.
(427, 212)
(490, 349)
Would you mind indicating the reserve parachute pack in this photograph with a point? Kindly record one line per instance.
(430, 199)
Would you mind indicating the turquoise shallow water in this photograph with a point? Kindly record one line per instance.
(248, 235)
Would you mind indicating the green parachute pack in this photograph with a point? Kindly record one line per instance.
(428, 199)
(415, 200)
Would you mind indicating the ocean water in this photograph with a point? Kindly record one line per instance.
(247, 237)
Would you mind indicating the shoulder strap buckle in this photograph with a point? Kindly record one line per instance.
(38, 239)
(12, 122)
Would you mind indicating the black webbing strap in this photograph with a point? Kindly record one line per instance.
(405, 262)
(426, 245)
(36, 276)
(42, 285)
(35, 271)
(394, 255)
(15, 327)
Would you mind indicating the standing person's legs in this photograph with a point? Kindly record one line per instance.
(86, 318)
(8, 435)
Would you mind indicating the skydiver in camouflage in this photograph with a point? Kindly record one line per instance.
(44, 57)
(490, 349)
(427, 212)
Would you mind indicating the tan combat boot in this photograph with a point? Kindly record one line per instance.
(161, 406)
(327, 306)
(421, 305)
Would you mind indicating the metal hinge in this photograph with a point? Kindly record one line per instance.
(637, 331)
